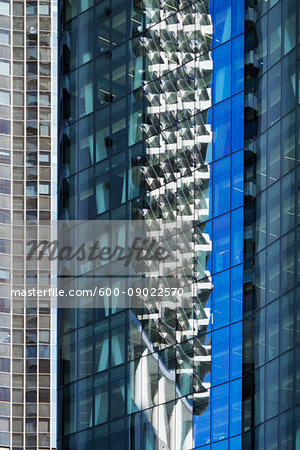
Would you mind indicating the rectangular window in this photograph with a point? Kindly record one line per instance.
(45, 188)
(5, 7)
(4, 67)
(5, 186)
(44, 9)
(44, 158)
(4, 37)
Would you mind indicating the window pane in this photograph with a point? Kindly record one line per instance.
(5, 7)
(222, 21)
(221, 186)
(222, 73)
(289, 82)
(221, 243)
(272, 330)
(272, 373)
(273, 259)
(220, 409)
(221, 299)
(274, 34)
(286, 381)
(289, 18)
(222, 124)
(220, 356)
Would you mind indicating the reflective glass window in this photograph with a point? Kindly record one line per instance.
(220, 356)
(273, 211)
(259, 396)
(273, 280)
(86, 90)
(286, 430)
(238, 63)
(288, 262)
(237, 18)
(274, 94)
(259, 338)
(86, 37)
(272, 373)
(286, 381)
(221, 243)
(237, 222)
(237, 136)
(220, 409)
(221, 186)
(222, 121)
(236, 351)
(289, 25)
(101, 398)
(222, 21)
(222, 73)
(272, 330)
(286, 322)
(271, 434)
(288, 134)
(237, 179)
(221, 299)
(274, 34)
(289, 93)
(235, 407)
(236, 293)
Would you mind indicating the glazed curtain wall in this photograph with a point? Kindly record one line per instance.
(220, 427)
(105, 89)
(271, 333)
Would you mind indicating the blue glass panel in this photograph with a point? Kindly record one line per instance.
(237, 122)
(238, 17)
(236, 293)
(237, 65)
(30, 351)
(222, 128)
(220, 356)
(210, 193)
(237, 221)
(221, 299)
(202, 428)
(236, 337)
(222, 73)
(222, 21)
(235, 407)
(221, 186)
(237, 179)
(220, 407)
(223, 445)
(206, 447)
(236, 443)
(221, 243)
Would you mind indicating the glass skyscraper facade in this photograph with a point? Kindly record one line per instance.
(271, 266)
(27, 193)
(172, 109)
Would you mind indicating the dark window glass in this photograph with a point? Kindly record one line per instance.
(272, 373)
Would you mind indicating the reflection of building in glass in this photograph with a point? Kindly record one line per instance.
(27, 193)
(152, 101)
(135, 141)
(176, 177)
(271, 269)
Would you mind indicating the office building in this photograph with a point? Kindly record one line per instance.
(27, 193)
(271, 265)
(171, 110)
